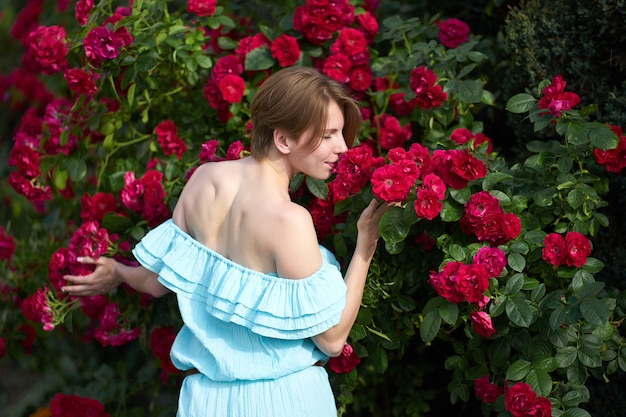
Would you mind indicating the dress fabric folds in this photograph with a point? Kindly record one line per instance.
(247, 333)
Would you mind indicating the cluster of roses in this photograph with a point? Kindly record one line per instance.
(462, 136)
(519, 399)
(483, 217)
(571, 250)
(428, 94)
(458, 282)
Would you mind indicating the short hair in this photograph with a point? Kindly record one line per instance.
(295, 99)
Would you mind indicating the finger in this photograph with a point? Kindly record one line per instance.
(86, 260)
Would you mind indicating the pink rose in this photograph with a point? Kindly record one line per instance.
(493, 259)
(554, 249)
(345, 362)
(518, 398)
(578, 248)
(453, 32)
(487, 391)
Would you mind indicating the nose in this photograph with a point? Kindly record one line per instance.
(341, 146)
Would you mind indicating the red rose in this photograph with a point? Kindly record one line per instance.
(493, 259)
(487, 391)
(169, 141)
(82, 10)
(285, 50)
(232, 88)
(577, 249)
(360, 77)
(46, 50)
(337, 67)
(389, 183)
(430, 98)
(201, 7)
(453, 32)
(614, 160)
(554, 249)
(345, 362)
(79, 81)
(368, 25)
(26, 159)
(94, 208)
(427, 205)
(541, 407)
(444, 282)
(518, 398)
(390, 133)
(555, 99)
(479, 205)
(481, 323)
(161, 340)
(207, 151)
(64, 405)
(480, 138)
(461, 135)
(101, 43)
(421, 79)
(472, 282)
(319, 20)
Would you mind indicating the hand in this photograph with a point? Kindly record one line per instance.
(100, 281)
(367, 224)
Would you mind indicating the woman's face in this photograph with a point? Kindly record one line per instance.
(321, 161)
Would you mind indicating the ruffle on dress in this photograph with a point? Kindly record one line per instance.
(266, 304)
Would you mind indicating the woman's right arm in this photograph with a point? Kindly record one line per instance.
(108, 274)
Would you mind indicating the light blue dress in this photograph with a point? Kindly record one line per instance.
(247, 333)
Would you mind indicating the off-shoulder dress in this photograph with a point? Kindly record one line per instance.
(247, 333)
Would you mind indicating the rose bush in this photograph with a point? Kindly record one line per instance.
(118, 105)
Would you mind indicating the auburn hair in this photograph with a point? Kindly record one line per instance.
(295, 99)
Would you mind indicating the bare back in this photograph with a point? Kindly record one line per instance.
(236, 209)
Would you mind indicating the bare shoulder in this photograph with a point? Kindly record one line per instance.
(295, 242)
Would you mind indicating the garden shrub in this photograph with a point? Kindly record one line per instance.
(485, 264)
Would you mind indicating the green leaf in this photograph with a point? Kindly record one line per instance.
(450, 212)
(456, 252)
(514, 284)
(392, 227)
(430, 326)
(471, 91)
(566, 356)
(76, 168)
(204, 61)
(518, 370)
(493, 178)
(449, 312)
(576, 412)
(540, 381)
(259, 59)
(516, 261)
(575, 396)
(547, 364)
(575, 198)
(602, 136)
(317, 187)
(595, 311)
(520, 312)
(520, 103)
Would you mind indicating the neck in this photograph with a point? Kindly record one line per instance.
(279, 170)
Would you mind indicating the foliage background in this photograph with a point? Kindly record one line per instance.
(525, 42)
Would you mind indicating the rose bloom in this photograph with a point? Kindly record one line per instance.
(26, 159)
(7, 245)
(337, 67)
(457, 167)
(26, 20)
(578, 248)
(208, 150)
(427, 205)
(493, 259)
(360, 77)
(472, 282)
(389, 183)
(430, 98)
(94, 208)
(201, 7)
(478, 206)
(555, 99)
(345, 362)
(481, 323)
(487, 391)
(64, 405)
(390, 133)
(46, 50)
(160, 343)
(443, 282)
(248, 43)
(518, 398)
(79, 81)
(541, 407)
(82, 10)
(285, 50)
(453, 32)
(368, 25)
(169, 141)
(421, 79)
(232, 88)
(613, 160)
(554, 249)
(101, 43)
(318, 20)
(461, 135)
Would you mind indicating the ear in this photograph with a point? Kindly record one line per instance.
(282, 142)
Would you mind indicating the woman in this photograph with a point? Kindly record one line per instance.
(262, 302)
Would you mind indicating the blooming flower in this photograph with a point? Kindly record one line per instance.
(518, 398)
(285, 50)
(453, 32)
(555, 99)
(82, 10)
(493, 259)
(614, 160)
(232, 88)
(389, 183)
(160, 343)
(201, 7)
(481, 323)
(578, 248)
(487, 391)
(46, 50)
(65, 405)
(168, 139)
(345, 362)
(318, 20)
(79, 81)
